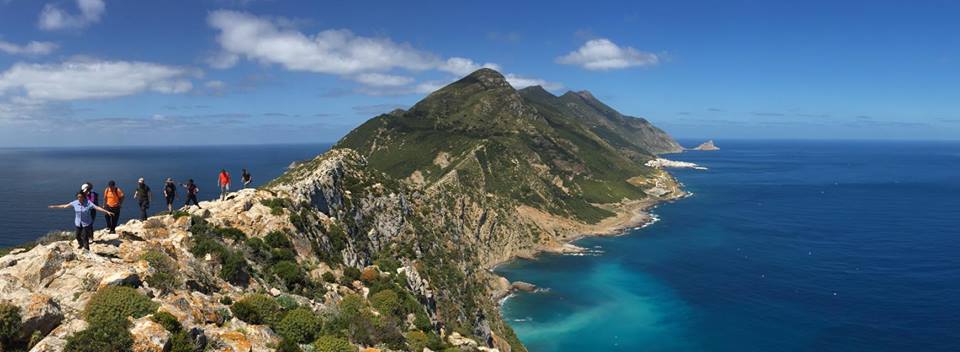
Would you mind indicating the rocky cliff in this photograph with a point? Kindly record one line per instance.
(383, 242)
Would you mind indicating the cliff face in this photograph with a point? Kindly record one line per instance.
(423, 202)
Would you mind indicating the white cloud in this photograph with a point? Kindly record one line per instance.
(215, 84)
(91, 79)
(223, 60)
(370, 61)
(52, 17)
(383, 80)
(462, 66)
(331, 51)
(522, 82)
(31, 48)
(603, 54)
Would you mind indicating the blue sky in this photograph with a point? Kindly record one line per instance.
(102, 72)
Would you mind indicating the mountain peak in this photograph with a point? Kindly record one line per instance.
(586, 95)
(488, 77)
(538, 90)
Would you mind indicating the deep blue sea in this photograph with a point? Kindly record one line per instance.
(784, 246)
(32, 178)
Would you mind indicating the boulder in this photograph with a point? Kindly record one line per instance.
(149, 336)
(41, 314)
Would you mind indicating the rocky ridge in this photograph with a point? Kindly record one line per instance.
(381, 258)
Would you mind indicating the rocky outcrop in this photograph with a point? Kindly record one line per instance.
(707, 146)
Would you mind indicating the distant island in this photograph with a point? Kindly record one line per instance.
(385, 241)
(706, 146)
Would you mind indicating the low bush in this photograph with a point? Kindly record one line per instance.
(287, 345)
(290, 273)
(351, 273)
(278, 239)
(276, 205)
(369, 275)
(110, 336)
(164, 278)
(329, 277)
(113, 304)
(329, 343)
(281, 254)
(167, 320)
(386, 302)
(256, 309)
(179, 214)
(180, 341)
(10, 322)
(287, 303)
(299, 325)
(231, 233)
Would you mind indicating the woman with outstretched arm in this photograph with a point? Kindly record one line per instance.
(82, 218)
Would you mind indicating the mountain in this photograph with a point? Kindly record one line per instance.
(385, 241)
(631, 135)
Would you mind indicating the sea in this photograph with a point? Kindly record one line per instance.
(783, 246)
(33, 178)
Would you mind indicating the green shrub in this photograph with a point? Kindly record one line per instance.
(179, 214)
(231, 233)
(113, 304)
(329, 343)
(278, 239)
(226, 300)
(287, 345)
(388, 264)
(164, 278)
(417, 340)
(199, 225)
(290, 273)
(256, 309)
(281, 254)
(111, 336)
(10, 322)
(180, 341)
(276, 205)
(386, 302)
(287, 303)
(351, 273)
(233, 268)
(299, 325)
(329, 277)
(257, 247)
(167, 320)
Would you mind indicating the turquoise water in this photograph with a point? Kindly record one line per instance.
(784, 246)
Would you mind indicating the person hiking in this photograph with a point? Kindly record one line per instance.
(143, 197)
(93, 197)
(113, 199)
(82, 218)
(192, 191)
(224, 183)
(169, 193)
(246, 178)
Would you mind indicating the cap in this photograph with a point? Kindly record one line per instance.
(140, 180)
(84, 187)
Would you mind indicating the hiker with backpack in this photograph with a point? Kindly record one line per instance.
(169, 193)
(93, 197)
(82, 208)
(143, 197)
(113, 198)
(246, 178)
(192, 191)
(224, 182)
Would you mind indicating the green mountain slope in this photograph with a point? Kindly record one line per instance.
(528, 146)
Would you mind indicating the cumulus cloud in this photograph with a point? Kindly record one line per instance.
(31, 48)
(463, 66)
(603, 54)
(336, 51)
(523, 82)
(52, 17)
(91, 79)
(370, 61)
(383, 80)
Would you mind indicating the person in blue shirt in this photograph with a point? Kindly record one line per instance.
(82, 218)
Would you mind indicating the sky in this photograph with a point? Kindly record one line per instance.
(107, 72)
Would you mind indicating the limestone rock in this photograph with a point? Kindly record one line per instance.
(149, 336)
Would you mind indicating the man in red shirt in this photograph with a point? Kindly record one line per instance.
(224, 182)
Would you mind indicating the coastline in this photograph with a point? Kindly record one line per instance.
(629, 215)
